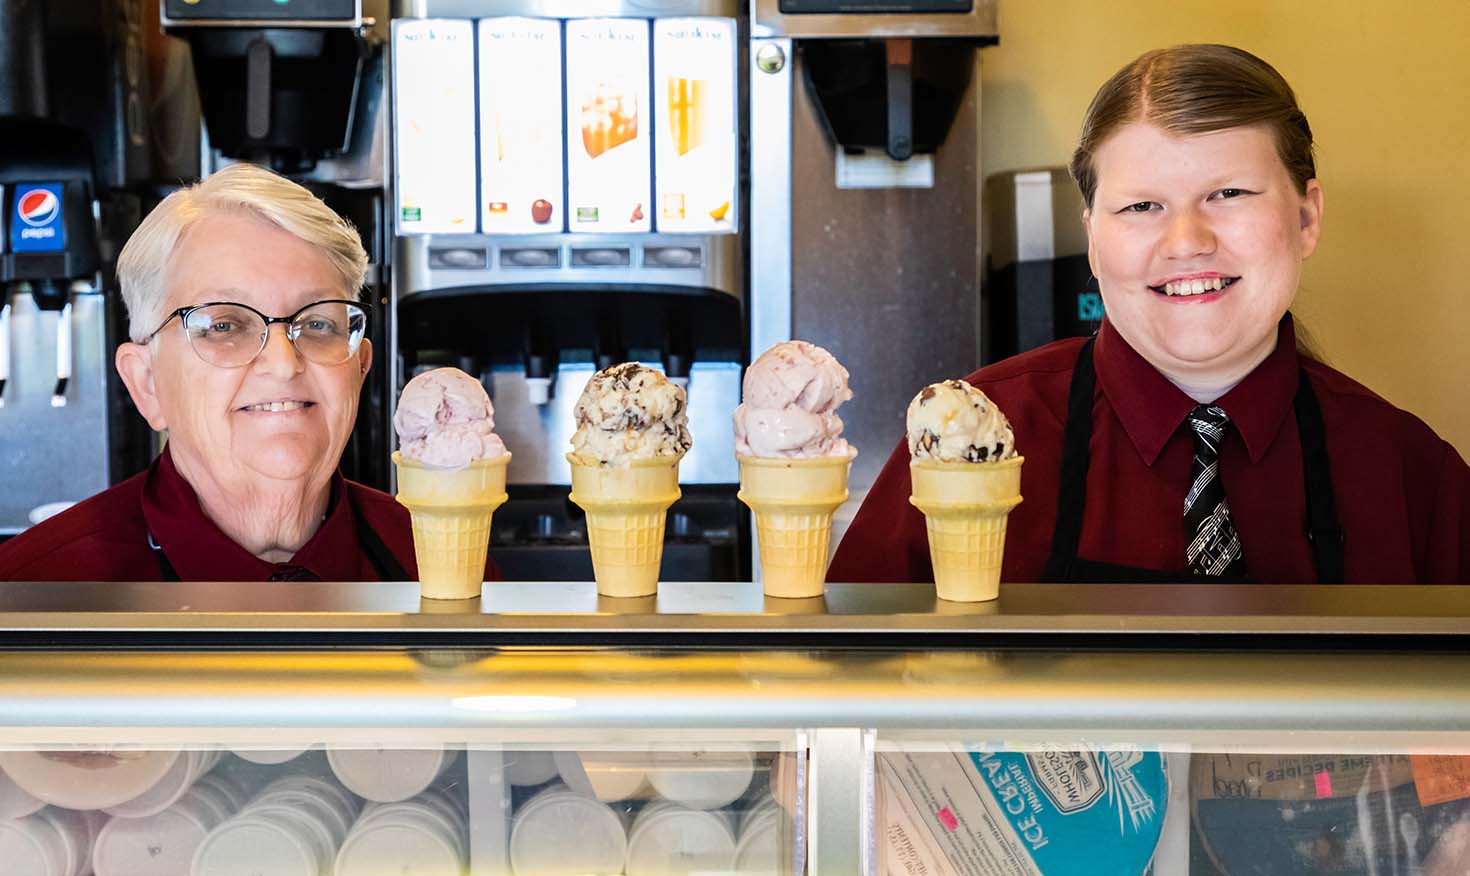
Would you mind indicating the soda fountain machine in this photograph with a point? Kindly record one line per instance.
(577, 184)
(75, 166)
(567, 196)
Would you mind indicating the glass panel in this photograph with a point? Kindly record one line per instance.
(1002, 807)
(714, 807)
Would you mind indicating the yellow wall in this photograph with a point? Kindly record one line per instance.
(1386, 87)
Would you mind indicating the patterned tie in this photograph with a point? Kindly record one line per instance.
(1212, 545)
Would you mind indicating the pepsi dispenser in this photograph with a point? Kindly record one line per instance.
(74, 158)
(568, 193)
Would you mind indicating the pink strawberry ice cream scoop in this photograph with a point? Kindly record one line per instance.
(445, 420)
(791, 396)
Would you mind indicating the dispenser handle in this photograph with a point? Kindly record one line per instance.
(900, 56)
(4, 348)
(63, 356)
(258, 89)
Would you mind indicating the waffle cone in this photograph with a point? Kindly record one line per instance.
(451, 512)
(626, 508)
(965, 507)
(793, 500)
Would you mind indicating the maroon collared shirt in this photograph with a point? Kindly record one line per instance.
(1403, 494)
(106, 537)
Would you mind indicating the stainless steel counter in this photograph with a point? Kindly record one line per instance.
(713, 610)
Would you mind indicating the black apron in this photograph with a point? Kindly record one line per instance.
(382, 560)
(1323, 531)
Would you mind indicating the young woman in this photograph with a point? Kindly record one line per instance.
(1190, 438)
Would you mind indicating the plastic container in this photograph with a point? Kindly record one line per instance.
(15, 802)
(606, 775)
(87, 779)
(270, 756)
(156, 845)
(389, 776)
(179, 779)
(250, 845)
(758, 853)
(560, 831)
(529, 768)
(702, 779)
(672, 840)
(31, 845)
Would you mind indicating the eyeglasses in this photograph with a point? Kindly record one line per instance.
(231, 335)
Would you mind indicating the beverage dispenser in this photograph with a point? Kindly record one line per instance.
(75, 161)
(567, 194)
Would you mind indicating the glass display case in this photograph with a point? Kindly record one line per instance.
(220, 729)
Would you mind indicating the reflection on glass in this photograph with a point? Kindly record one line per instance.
(1058, 809)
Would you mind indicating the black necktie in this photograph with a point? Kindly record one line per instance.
(1211, 544)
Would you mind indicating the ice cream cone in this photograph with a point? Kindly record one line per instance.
(451, 512)
(793, 499)
(626, 507)
(965, 506)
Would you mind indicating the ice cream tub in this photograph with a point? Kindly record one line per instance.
(31, 845)
(606, 775)
(402, 846)
(526, 769)
(155, 845)
(1050, 811)
(87, 778)
(707, 779)
(391, 775)
(14, 801)
(560, 831)
(672, 840)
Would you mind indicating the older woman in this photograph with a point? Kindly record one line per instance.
(248, 348)
(1190, 439)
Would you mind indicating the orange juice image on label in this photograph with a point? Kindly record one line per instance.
(609, 118)
(686, 113)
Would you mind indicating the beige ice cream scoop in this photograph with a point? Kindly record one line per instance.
(966, 478)
(952, 421)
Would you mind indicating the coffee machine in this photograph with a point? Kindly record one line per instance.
(75, 165)
(298, 87)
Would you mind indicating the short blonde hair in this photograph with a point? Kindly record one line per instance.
(240, 188)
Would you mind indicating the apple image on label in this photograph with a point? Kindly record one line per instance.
(541, 211)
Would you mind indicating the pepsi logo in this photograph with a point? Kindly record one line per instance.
(38, 207)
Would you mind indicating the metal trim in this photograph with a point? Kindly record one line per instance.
(559, 8)
(980, 22)
(394, 610)
(835, 803)
(1346, 701)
